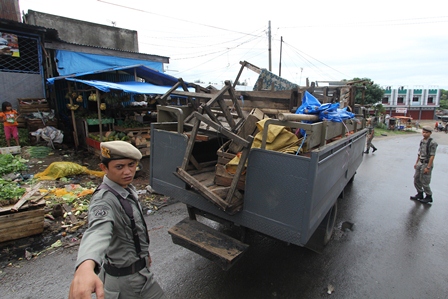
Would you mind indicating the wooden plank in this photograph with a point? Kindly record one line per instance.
(21, 224)
(68, 210)
(223, 178)
(239, 170)
(187, 178)
(199, 137)
(199, 95)
(190, 144)
(207, 242)
(25, 197)
(248, 128)
(9, 220)
(22, 234)
(18, 225)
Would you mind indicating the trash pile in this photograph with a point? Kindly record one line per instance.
(62, 190)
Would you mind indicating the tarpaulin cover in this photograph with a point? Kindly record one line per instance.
(327, 111)
(74, 62)
(58, 170)
(129, 87)
(267, 78)
(148, 74)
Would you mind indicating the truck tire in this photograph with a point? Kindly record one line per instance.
(327, 224)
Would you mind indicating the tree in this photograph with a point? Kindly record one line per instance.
(444, 99)
(373, 93)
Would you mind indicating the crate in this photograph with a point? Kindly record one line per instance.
(21, 224)
(31, 105)
(93, 143)
(36, 124)
(10, 150)
(95, 121)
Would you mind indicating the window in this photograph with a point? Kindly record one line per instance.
(430, 100)
(400, 100)
(28, 62)
(415, 99)
(385, 100)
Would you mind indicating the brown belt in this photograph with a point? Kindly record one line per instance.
(131, 269)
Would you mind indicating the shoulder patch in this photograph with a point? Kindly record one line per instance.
(100, 211)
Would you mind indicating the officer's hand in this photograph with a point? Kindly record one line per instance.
(149, 260)
(85, 282)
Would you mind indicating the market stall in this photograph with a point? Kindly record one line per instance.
(124, 107)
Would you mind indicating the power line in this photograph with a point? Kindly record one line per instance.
(399, 22)
(177, 19)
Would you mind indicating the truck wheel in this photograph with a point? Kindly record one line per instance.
(327, 224)
(352, 179)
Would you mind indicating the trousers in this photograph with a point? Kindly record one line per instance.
(140, 285)
(422, 180)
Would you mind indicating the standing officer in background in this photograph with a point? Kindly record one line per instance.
(423, 166)
(115, 245)
(370, 135)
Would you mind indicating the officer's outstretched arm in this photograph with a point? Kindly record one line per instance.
(85, 282)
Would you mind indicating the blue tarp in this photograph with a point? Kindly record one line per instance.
(149, 75)
(327, 111)
(74, 62)
(129, 87)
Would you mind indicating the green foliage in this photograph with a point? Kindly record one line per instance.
(373, 93)
(444, 104)
(10, 163)
(379, 109)
(10, 190)
(381, 126)
(38, 151)
(443, 94)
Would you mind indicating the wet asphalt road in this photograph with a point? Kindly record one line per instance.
(397, 248)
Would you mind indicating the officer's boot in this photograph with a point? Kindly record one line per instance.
(366, 152)
(427, 199)
(417, 196)
(374, 149)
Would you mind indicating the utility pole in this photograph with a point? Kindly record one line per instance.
(269, 50)
(280, 63)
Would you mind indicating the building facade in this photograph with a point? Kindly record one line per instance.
(418, 103)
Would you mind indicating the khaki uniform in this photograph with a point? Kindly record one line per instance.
(370, 135)
(109, 239)
(422, 180)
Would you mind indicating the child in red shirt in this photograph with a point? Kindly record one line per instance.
(9, 116)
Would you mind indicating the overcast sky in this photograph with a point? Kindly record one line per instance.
(394, 43)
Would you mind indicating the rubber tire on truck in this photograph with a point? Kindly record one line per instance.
(327, 224)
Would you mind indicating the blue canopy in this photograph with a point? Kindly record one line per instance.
(148, 74)
(129, 87)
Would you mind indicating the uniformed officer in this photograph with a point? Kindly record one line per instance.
(115, 245)
(370, 135)
(424, 165)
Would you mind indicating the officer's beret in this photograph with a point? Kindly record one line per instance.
(428, 129)
(119, 150)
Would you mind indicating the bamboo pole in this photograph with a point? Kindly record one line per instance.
(75, 131)
(297, 117)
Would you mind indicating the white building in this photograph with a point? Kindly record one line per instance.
(418, 103)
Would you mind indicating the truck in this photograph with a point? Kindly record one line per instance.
(290, 197)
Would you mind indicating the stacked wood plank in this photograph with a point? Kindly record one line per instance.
(140, 137)
(30, 106)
